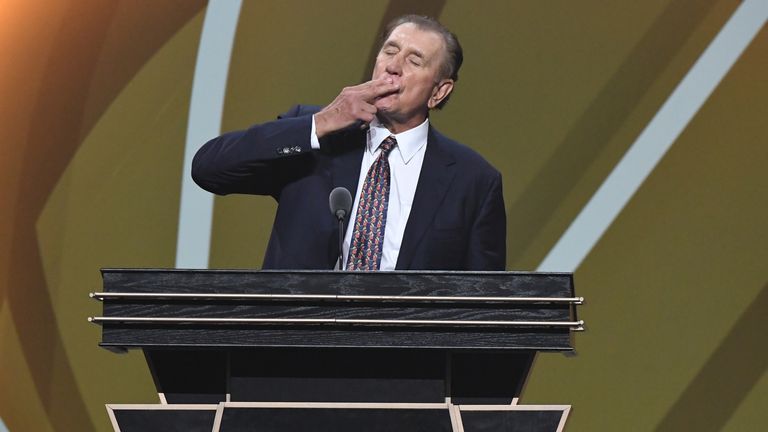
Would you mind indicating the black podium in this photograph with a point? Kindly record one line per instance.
(337, 351)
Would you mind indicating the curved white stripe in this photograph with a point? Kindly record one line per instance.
(642, 157)
(205, 111)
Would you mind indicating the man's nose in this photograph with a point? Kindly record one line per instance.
(394, 65)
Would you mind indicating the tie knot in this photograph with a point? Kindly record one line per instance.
(387, 145)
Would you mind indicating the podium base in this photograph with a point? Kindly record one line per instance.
(313, 416)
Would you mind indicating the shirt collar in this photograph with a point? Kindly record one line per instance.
(408, 143)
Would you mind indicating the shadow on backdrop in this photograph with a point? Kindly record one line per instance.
(601, 120)
(713, 396)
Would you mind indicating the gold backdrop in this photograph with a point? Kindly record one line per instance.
(94, 110)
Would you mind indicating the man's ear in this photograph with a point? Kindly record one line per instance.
(440, 92)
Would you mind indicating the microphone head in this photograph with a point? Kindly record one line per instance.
(340, 201)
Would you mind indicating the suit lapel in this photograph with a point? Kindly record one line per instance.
(437, 172)
(345, 168)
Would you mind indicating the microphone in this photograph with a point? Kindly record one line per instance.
(340, 201)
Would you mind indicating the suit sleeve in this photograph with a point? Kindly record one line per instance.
(257, 160)
(488, 237)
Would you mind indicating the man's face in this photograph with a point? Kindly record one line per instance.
(412, 58)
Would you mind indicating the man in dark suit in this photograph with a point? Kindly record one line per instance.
(441, 207)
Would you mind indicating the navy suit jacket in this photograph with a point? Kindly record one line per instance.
(457, 221)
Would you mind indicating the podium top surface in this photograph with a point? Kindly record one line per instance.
(432, 283)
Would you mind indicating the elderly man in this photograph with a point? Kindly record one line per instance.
(421, 200)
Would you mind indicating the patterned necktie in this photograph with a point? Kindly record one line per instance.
(371, 218)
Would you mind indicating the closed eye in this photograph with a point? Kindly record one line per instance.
(416, 61)
(390, 49)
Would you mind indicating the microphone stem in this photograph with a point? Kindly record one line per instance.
(341, 244)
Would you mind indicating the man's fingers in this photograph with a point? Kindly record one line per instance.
(386, 87)
(379, 87)
(368, 108)
(367, 113)
(353, 104)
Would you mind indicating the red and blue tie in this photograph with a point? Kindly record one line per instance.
(371, 218)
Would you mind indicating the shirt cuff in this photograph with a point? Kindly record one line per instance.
(313, 140)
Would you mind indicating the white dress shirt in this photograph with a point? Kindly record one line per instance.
(405, 162)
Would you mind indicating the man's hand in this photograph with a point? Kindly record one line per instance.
(353, 104)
